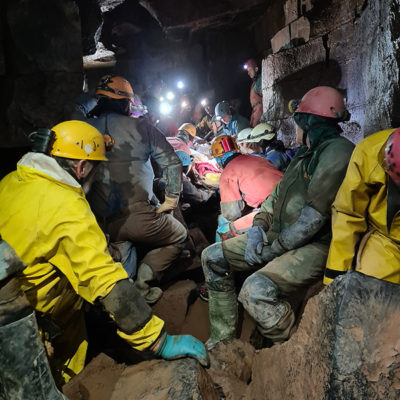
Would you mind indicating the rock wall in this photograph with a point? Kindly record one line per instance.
(349, 45)
(41, 67)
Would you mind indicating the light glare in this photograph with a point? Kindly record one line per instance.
(165, 108)
(170, 95)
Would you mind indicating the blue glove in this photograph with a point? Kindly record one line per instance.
(172, 347)
(268, 254)
(256, 239)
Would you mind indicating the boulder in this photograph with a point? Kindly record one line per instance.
(96, 381)
(347, 346)
(104, 379)
(165, 380)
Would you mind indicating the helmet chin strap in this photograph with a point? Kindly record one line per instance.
(305, 135)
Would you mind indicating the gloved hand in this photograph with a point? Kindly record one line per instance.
(170, 203)
(268, 254)
(172, 347)
(256, 239)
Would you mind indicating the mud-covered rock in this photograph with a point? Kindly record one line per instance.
(96, 381)
(104, 379)
(231, 365)
(234, 358)
(346, 347)
(167, 380)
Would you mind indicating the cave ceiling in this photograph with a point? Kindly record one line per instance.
(192, 15)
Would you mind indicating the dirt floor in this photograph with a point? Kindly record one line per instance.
(346, 346)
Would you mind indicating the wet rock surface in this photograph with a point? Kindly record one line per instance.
(103, 379)
(352, 47)
(43, 65)
(347, 347)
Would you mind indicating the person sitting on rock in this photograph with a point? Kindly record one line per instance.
(232, 121)
(246, 181)
(263, 142)
(287, 246)
(365, 214)
(45, 217)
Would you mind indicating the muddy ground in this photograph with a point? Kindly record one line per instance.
(347, 346)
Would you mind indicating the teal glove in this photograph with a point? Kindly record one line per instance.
(172, 347)
(256, 239)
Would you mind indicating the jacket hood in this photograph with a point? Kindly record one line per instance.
(48, 166)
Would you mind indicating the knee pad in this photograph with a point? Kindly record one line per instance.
(258, 287)
(260, 298)
(213, 262)
(216, 269)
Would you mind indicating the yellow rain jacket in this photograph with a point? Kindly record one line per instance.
(45, 217)
(361, 234)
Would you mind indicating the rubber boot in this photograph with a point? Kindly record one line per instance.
(223, 311)
(144, 275)
(24, 370)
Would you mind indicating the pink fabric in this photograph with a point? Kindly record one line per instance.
(248, 178)
(246, 222)
(205, 168)
(178, 144)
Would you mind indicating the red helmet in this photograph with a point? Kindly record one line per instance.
(392, 156)
(324, 101)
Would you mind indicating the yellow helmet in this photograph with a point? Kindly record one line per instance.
(78, 140)
(189, 128)
(115, 87)
(222, 145)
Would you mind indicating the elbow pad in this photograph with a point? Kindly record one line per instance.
(232, 210)
(127, 307)
(301, 232)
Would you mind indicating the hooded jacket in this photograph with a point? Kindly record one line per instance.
(365, 217)
(45, 217)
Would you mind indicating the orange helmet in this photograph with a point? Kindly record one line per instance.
(222, 145)
(115, 87)
(321, 100)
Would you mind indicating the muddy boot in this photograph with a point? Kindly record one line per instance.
(24, 370)
(223, 312)
(144, 275)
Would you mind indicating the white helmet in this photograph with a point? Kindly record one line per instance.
(260, 132)
(243, 135)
